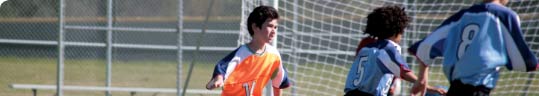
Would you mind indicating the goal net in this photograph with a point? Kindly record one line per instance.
(317, 40)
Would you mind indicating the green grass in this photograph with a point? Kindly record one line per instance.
(511, 83)
(315, 79)
(84, 72)
(311, 78)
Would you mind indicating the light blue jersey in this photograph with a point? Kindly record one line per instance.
(475, 43)
(375, 68)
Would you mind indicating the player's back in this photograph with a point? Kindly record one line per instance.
(476, 47)
(375, 67)
(475, 42)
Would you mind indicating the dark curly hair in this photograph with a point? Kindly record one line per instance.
(259, 15)
(387, 21)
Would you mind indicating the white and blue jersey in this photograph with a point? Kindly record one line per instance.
(375, 68)
(475, 43)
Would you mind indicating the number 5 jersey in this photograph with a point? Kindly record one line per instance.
(375, 68)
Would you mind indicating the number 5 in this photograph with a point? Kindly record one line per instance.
(360, 70)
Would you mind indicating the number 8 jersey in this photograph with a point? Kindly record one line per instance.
(375, 68)
(475, 42)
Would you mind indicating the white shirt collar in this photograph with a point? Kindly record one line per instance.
(397, 46)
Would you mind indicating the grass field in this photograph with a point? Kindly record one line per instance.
(511, 83)
(162, 74)
(150, 74)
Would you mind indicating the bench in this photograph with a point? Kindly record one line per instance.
(35, 87)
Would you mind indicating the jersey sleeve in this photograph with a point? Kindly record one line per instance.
(432, 46)
(519, 55)
(280, 79)
(393, 61)
(222, 65)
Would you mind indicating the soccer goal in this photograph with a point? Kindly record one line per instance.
(317, 40)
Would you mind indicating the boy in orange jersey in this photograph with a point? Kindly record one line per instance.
(251, 67)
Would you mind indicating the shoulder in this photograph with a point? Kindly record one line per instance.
(379, 44)
(501, 11)
(506, 16)
(272, 52)
(384, 45)
(456, 17)
(241, 52)
(391, 48)
(235, 52)
(387, 45)
(271, 49)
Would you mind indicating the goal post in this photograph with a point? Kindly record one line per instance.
(317, 39)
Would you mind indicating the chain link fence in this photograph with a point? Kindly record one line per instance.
(143, 35)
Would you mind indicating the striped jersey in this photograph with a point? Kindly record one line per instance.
(246, 73)
(475, 43)
(375, 67)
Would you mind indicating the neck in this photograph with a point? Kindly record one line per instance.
(394, 39)
(494, 1)
(257, 47)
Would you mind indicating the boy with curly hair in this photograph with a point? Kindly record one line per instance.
(379, 63)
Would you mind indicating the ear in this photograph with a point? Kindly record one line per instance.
(255, 28)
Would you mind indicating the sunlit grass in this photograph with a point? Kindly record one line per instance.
(91, 72)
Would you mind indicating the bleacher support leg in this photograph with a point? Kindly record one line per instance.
(133, 93)
(34, 91)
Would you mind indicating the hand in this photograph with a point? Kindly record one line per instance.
(437, 90)
(215, 83)
(419, 89)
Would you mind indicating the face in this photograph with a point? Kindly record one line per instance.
(396, 38)
(504, 2)
(267, 31)
(399, 37)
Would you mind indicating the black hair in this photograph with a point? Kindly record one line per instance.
(259, 15)
(387, 21)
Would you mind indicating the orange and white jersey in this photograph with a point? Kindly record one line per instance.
(246, 74)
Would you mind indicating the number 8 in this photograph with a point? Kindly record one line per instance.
(467, 36)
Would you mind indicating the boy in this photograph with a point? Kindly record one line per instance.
(475, 43)
(379, 63)
(247, 70)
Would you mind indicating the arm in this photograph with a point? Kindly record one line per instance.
(215, 82)
(399, 67)
(409, 76)
(217, 78)
(421, 84)
(220, 69)
(429, 48)
(279, 78)
(440, 91)
(276, 92)
(519, 54)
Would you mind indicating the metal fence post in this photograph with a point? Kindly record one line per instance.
(109, 47)
(179, 31)
(60, 63)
